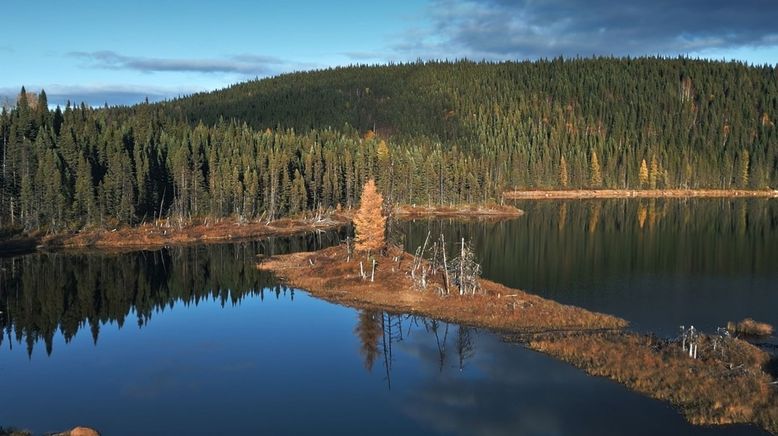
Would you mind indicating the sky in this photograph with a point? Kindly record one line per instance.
(114, 52)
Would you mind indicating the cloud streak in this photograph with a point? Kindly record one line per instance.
(240, 64)
(97, 95)
(500, 29)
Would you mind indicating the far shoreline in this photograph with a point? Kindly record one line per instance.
(574, 194)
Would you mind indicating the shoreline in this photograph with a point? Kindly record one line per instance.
(166, 233)
(156, 236)
(463, 211)
(726, 385)
(638, 193)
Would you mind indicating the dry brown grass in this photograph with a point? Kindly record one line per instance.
(638, 193)
(328, 275)
(725, 386)
(749, 327)
(163, 233)
(493, 211)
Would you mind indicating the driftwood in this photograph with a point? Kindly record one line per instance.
(463, 271)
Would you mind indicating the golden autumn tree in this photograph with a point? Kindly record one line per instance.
(369, 222)
(564, 178)
(745, 160)
(643, 175)
(596, 171)
(656, 172)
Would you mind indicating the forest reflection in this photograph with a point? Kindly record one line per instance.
(43, 293)
(557, 240)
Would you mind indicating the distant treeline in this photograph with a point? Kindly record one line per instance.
(439, 132)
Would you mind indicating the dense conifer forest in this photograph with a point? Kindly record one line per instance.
(428, 132)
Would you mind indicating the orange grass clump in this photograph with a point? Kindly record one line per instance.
(749, 327)
(725, 385)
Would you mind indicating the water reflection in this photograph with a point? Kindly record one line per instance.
(378, 332)
(213, 356)
(659, 263)
(41, 294)
(467, 381)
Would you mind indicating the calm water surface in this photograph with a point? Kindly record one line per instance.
(657, 263)
(197, 341)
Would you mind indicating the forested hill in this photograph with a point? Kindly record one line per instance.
(702, 122)
(463, 100)
(439, 132)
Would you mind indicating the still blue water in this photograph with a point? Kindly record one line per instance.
(194, 340)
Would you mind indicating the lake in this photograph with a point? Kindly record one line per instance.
(658, 263)
(195, 340)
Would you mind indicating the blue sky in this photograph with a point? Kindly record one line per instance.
(119, 53)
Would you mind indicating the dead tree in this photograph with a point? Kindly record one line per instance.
(466, 271)
(690, 339)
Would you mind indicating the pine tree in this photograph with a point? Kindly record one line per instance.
(298, 196)
(369, 222)
(84, 197)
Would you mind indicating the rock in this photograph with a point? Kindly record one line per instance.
(80, 431)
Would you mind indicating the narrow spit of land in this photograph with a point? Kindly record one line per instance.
(726, 384)
(161, 235)
(168, 232)
(464, 211)
(639, 193)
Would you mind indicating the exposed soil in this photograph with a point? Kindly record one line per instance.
(726, 384)
(638, 193)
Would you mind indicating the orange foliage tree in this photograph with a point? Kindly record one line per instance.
(370, 223)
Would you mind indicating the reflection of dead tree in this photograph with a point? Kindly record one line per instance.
(434, 327)
(465, 347)
(392, 331)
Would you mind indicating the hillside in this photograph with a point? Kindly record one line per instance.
(698, 119)
(431, 133)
